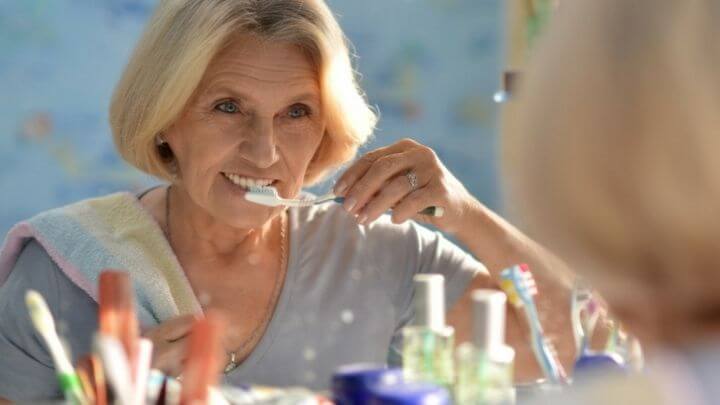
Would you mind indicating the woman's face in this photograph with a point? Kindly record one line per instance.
(255, 119)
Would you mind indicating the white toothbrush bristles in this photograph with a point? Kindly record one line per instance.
(39, 313)
(268, 195)
(264, 196)
(45, 325)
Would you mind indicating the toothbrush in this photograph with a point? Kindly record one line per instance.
(519, 285)
(86, 384)
(268, 195)
(142, 371)
(45, 325)
(91, 366)
(613, 341)
(117, 368)
(202, 365)
(579, 300)
(591, 316)
(116, 313)
(117, 320)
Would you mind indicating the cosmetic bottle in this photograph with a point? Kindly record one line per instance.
(485, 365)
(428, 342)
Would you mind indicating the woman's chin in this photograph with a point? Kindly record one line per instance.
(244, 214)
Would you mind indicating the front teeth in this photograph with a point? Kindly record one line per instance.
(247, 182)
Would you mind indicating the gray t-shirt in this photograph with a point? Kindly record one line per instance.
(347, 293)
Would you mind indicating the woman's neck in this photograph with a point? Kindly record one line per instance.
(192, 229)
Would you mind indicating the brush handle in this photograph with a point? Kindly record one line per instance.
(432, 211)
(72, 388)
(68, 379)
(548, 362)
(119, 375)
(142, 370)
(520, 285)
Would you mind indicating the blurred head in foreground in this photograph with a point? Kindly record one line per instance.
(612, 158)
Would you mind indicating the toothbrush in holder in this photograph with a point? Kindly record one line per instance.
(579, 300)
(269, 196)
(519, 285)
(200, 370)
(45, 325)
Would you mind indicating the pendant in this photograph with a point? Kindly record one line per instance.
(232, 364)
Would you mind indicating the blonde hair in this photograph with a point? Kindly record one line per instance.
(613, 155)
(182, 38)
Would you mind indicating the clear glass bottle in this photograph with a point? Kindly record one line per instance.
(485, 365)
(428, 342)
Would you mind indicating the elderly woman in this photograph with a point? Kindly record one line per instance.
(220, 96)
(620, 175)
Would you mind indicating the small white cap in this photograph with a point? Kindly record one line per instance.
(488, 319)
(430, 301)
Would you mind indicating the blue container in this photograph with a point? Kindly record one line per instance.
(409, 394)
(593, 363)
(351, 384)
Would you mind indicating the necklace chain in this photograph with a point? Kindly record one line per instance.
(233, 363)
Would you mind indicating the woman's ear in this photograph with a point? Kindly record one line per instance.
(163, 148)
(167, 157)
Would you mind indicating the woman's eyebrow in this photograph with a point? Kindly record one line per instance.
(227, 90)
(307, 97)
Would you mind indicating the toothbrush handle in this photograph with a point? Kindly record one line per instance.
(543, 348)
(432, 211)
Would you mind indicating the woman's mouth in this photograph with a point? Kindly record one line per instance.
(247, 182)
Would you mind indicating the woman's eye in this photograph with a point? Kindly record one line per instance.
(298, 111)
(228, 107)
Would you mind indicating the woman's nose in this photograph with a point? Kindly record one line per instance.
(260, 146)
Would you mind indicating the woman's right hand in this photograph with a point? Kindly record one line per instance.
(169, 343)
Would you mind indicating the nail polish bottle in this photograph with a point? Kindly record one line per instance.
(485, 365)
(428, 342)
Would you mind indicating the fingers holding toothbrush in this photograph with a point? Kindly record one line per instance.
(406, 177)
